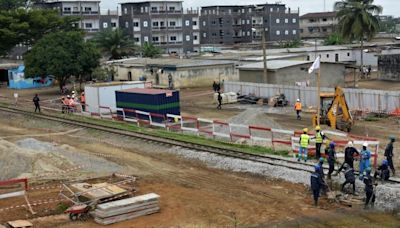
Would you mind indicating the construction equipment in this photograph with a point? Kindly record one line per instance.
(335, 111)
(80, 212)
(278, 100)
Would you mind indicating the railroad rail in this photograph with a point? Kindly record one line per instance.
(232, 153)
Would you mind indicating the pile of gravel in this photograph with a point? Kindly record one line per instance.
(388, 198)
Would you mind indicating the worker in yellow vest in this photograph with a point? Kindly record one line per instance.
(319, 139)
(304, 142)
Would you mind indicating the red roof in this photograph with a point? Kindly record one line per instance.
(318, 15)
(147, 91)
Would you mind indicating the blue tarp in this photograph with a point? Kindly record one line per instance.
(17, 80)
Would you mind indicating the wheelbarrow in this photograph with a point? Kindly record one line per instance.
(78, 212)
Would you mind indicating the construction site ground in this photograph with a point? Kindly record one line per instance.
(192, 195)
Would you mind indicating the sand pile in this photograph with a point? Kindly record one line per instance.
(256, 117)
(33, 158)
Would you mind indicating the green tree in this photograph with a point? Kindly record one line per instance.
(334, 39)
(89, 60)
(28, 26)
(150, 51)
(114, 43)
(61, 54)
(12, 4)
(357, 20)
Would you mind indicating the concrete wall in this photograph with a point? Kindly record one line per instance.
(389, 67)
(332, 75)
(182, 77)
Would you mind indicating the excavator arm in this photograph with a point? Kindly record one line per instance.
(338, 113)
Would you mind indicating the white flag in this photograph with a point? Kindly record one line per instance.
(315, 65)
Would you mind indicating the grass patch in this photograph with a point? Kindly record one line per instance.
(371, 119)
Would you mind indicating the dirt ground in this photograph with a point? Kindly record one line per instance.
(192, 195)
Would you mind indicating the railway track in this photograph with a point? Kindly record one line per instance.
(232, 153)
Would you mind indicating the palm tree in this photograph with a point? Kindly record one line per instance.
(357, 20)
(114, 44)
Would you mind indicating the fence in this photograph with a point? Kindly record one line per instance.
(357, 99)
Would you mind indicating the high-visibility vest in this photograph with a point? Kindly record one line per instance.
(304, 138)
(318, 137)
(297, 106)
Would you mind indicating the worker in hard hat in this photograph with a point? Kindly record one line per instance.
(349, 153)
(316, 184)
(304, 142)
(364, 161)
(331, 158)
(369, 188)
(350, 177)
(319, 139)
(389, 153)
(297, 107)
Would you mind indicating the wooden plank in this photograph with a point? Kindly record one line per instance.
(20, 223)
(97, 191)
(125, 210)
(12, 194)
(129, 201)
(125, 217)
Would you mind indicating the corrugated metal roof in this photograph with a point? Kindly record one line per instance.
(105, 84)
(147, 91)
(176, 63)
(318, 15)
(274, 64)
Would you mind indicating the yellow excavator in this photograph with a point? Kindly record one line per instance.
(335, 111)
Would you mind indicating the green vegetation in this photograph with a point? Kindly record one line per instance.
(19, 25)
(115, 44)
(357, 20)
(290, 44)
(62, 54)
(334, 39)
(150, 51)
(388, 26)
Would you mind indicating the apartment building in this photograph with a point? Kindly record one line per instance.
(232, 24)
(163, 23)
(88, 10)
(318, 25)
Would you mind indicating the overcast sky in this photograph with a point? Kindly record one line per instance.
(390, 7)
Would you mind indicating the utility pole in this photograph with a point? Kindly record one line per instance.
(318, 94)
(324, 5)
(264, 55)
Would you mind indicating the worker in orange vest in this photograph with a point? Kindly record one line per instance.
(297, 107)
(83, 101)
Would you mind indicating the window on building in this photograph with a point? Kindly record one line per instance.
(67, 9)
(145, 24)
(324, 19)
(249, 10)
(230, 11)
(213, 22)
(155, 23)
(248, 22)
(187, 23)
(146, 9)
(171, 8)
(88, 25)
(146, 39)
(136, 39)
(327, 56)
(286, 20)
(254, 22)
(204, 34)
(88, 9)
(348, 54)
(172, 38)
(154, 9)
(278, 32)
(243, 11)
(155, 39)
(324, 30)
(194, 23)
(286, 32)
(294, 32)
(195, 37)
(141, 9)
(113, 24)
(126, 24)
(187, 37)
(294, 20)
(248, 33)
(204, 23)
(214, 34)
(243, 22)
(172, 23)
(125, 10)
(135, 24)
(271, 9)
(278, 20)
(105, 25)
(76, 9)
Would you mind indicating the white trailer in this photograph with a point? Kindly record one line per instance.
(103, 94)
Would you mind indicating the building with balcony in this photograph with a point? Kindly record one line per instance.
(318, 25)
(109, 19)
(229, 25)
(163, 23)
(87, 10)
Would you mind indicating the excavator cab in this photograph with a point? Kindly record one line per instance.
(334, 111)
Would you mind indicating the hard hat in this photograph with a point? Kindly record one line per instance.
(68, 96)
(73, 92)
(385, 162)
(83, 93)
(350, 143)
(365, 144)
(298, 100)
(305, 130)
(317, 167)
(321, 160)
(317, 128)
(332, 144)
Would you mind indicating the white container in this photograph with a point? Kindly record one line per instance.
(103, 94)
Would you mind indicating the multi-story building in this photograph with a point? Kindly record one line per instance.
(108, 20)
(163, 23)
(318, 25)
(87, 10)
(245, 24)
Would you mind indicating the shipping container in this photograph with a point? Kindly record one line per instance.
(103, 94)
(149, 100)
